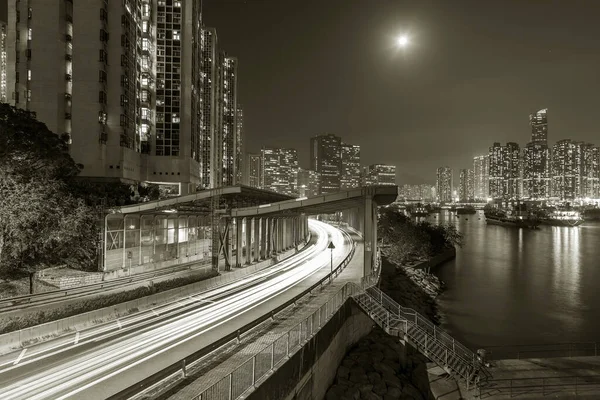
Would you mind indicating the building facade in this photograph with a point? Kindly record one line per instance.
(505, 171)
(3, 98)
(466, 188)
(280, 170)
(417, 192)
(239, 146)
(228, 104)
(591, 178)
(308, 183)
(481, 177)
(326, 159)
(350, 164)
(211, 154)
(444, 184)
(254, 171)
(536, 159)
(380, 174)
(568, 169)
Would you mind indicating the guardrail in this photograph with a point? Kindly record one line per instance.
(551, 350)
(183, 365)
(554, 385)
(10, 303)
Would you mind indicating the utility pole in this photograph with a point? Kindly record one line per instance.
(331, 247)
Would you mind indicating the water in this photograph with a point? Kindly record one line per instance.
(513, 286)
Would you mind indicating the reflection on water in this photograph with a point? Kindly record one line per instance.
(515, 286)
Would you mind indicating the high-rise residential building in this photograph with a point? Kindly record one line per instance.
(568, 169)
(591, 168)
(239, 146)
(505, 171)
(417, 192)
(3, 62)
(280, 170)
(380, 174)
(254, 170)
(211, 154)
(117, 80)
(481, 177)
(326, 159)
(308, 183)
(539, 127)
(228, 104)
(466, 188)
(536, 159)
(444, 184)
(351, 171)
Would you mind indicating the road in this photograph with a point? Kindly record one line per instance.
(100, 362)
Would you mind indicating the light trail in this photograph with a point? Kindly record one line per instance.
(96, 363)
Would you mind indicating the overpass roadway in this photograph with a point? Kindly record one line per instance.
(101, 363)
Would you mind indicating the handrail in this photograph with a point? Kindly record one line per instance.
(181, 365)
(554, 384)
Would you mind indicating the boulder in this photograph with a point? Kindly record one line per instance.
(374, 377)
(380, 388)
(343, 372)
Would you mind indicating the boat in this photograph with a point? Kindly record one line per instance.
(591, 214)
(465, 210)
(433, 209)
(516, 217)
(563, 218)
(419, 212)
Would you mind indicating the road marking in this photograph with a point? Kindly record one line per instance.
(76, 337)
(155, 313)
(119, 324)
(20, 356)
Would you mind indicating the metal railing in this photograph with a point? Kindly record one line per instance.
(551, 350)
(256, 368)
(552, 385)
(430, 340)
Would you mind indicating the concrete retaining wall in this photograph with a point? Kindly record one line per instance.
(23, 337)
(311, 370)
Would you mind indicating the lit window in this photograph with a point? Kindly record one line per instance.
(29, 33)
(177, 4)
(176, 35)
(175, 118)
(28, 74)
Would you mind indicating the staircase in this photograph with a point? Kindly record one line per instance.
(454, 358)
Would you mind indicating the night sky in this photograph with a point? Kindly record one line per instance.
(473, 74)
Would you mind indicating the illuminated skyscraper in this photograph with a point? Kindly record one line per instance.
(380, 174)
(417, 192)
(568, 169)
(129, 107)
(229, 127)
(481, 177)
(536, 159)
(504, 171)
(280, 170)
(591, 167)
(444, 184)
(326, 159)
(254, 170)
(210, 153)
(239, 146)
(350, 166)
(466, 189)
(2, 62)
(308, 183)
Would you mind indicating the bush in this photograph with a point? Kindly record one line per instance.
(14, 323)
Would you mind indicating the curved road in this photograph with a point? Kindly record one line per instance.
(103, 361)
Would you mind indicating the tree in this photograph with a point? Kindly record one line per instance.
(41, 222)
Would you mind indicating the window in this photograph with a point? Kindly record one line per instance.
(102, 117)
(103, 56)
(102, 97)
(177, 4)
(103, 35)
(176, 35)
(28, 74)
(175, 118)
(29, 33)
(102, 76)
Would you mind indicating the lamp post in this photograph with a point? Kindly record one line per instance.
(331, 247)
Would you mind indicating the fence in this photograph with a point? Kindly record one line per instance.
(573, 349)
(555, 385)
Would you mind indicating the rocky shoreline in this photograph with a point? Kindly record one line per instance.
(378, 367)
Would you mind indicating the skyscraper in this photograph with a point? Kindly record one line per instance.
(481, 177)
(568, 169)
(326, 159)
(505, 171)
(591, 168)
(536, 159)
(254, 170)
(444, 184)
(380, 174)
(280, 170)
(229, 128)
(466, 190)
(2, 61)
(350, 177)
(134, 118)
(239, 146)
(211, 154)
(308, 183)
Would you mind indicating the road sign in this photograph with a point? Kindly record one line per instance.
(331, 246)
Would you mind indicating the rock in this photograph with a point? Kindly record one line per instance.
(371, 396)
(382, 367)
(380, 388)
(348, 362)
(343, 372)
(365, 388)
(412, 392)
(353, 393)
(335, 392)
(393, 393)
(378, 355)
(374, 377)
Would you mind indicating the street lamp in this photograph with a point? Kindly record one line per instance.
(331, 247)
(402, 41)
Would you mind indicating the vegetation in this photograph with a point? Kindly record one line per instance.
(48, 215)
(405, 240)
(10, 324)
